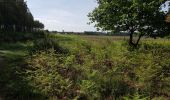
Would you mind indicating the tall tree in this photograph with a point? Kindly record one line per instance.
(15, 16)
(38, 25)
(140, 17)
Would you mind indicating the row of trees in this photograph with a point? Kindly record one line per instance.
(16, 17)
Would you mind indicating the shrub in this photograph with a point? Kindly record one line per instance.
(46, 43)
(45, 77)
(20, 37)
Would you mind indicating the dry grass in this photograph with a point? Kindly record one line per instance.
(99, 38)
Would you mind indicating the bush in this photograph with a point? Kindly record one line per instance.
(44, 74)
(19, 37)
(43, 44)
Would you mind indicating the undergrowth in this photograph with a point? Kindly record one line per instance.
(70, 67)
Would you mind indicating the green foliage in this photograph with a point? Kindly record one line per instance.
(92, 70)
(22, 21)
(44, 72)
(11, 37)
(45, 44)
(13, 82)
(136, 97)
(125, 15)
(141, 17)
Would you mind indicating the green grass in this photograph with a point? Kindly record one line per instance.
(85, 67)
(13, 84)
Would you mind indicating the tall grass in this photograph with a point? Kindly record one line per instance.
(102, 69)
(70, 67)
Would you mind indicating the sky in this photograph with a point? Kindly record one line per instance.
(59, 15)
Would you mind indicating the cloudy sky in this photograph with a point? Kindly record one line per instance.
(68, 15)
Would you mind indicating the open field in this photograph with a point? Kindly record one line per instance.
(117, 38)
(85, 67)
(98, 38)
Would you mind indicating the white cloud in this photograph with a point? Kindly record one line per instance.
(69, 17)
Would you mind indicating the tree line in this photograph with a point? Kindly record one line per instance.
(16, 17)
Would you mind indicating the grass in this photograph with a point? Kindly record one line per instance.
(85, 67)
(13, 83)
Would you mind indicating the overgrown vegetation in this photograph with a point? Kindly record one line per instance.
(38, 66)
(74, 67)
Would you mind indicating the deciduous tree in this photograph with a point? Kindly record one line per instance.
(140, 17)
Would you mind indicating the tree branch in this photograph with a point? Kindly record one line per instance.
(140, 36)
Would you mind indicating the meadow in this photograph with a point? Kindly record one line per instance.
(84, 67)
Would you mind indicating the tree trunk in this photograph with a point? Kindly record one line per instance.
(131, 38)
(140, 36)
(131, 42)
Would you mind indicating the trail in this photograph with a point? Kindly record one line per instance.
(1, 62)
(1, 59)
(1, 65)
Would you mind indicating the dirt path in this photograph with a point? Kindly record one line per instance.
(1, 64)
(1, 61)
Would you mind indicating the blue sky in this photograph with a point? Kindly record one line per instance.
(68, 15)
